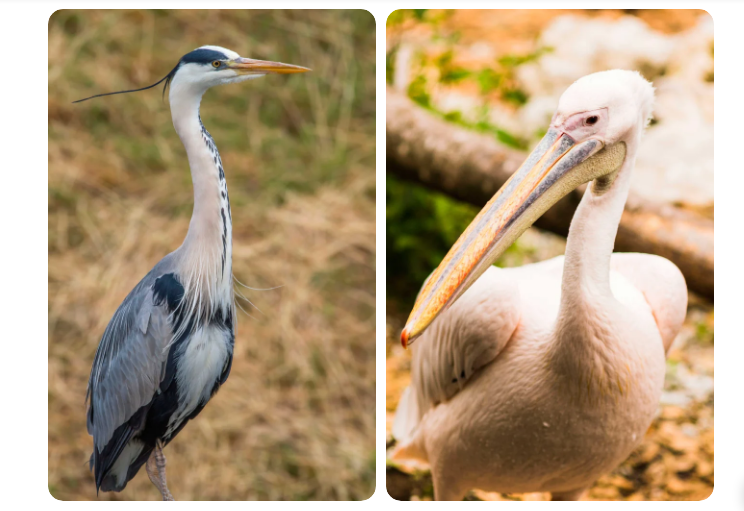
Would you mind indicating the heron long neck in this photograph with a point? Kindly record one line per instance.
(207, 250)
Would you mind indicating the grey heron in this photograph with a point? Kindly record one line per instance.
(168, 347)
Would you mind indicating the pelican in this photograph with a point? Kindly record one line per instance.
(544, 377)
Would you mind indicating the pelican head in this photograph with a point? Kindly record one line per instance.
(597, 126)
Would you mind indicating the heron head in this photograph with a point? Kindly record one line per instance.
(597, 125)
(208, 66)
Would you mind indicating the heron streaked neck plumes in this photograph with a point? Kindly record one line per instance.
(206, 253)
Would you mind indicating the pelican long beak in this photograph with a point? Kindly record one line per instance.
(556, 167)
(251, 66)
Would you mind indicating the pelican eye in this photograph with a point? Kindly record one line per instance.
(591, 120)
(216, 64)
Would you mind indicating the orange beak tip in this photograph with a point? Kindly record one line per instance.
(404, 338)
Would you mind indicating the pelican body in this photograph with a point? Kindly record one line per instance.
(169, 345)
(545, 377)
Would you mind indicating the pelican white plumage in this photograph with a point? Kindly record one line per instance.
(544, 377)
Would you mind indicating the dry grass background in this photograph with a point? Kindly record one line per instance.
(296, 418)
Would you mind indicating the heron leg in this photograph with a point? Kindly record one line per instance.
(152, 471)
(156, 471)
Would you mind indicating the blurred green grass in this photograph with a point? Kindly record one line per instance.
(423, 224)
(295, 421)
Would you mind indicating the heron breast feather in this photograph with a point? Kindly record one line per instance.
(200, 364)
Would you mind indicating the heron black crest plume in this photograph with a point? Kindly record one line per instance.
(167, 78)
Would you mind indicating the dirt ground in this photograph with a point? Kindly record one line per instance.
(675, 460)
(295, 420)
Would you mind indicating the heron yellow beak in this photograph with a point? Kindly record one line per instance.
(554, 168)
(251, 66)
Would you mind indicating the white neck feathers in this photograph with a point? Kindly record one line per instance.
(205, 257)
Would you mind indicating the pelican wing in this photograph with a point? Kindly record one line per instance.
(463, 339)
(663, 286)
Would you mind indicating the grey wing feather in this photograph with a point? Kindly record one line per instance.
(130, 361)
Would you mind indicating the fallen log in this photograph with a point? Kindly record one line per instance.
(471, 167)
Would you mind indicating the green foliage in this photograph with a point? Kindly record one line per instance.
(419, 14)
(488, 80)
(454, 116)
(399, 16)
(448, 73)
(396, 18)
(421, 227)
(512, 60)
(498, 79)
(428, 16)
(484, 126)
(454, 75)
(390, 64)
(704, 332)
(417, 91)
(515, 96)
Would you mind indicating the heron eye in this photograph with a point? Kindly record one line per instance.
(592, 120)
(216, 63)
